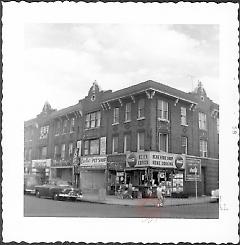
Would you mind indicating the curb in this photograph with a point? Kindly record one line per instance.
(146, 205)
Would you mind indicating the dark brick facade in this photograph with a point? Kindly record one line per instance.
(105, 101)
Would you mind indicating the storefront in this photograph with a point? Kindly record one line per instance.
(116, 164)
(93, 173)
(146, 170)
(27, 167)
(41, 168)
(62, 169)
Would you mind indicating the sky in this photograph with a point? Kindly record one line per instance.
(61, 61)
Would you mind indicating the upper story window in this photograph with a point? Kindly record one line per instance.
(115, 144)
(57, 127)
(163, 142)
(218, 125)
(162, 110)
(116, 115)
(65, 126)
(91, 147)
(183, 116)
(140, 141)
(141, 104)
(93, 120)
(63, 151)
(203, 148)
(44, 132)
(184, 144)
(72, 124)
(127, 143)
(44, 152)
(202, 119)
(56, 152)
(70, 149)
(128, 112)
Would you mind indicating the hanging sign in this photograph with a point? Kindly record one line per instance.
(103, 145)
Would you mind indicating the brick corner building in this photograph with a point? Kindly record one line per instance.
(141, 135)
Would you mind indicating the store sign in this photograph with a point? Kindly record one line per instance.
(79, 147)
(93, 162)
(103, 145)
(132, 160)
(193, 169)
(116, 162)
(42, 163)
(61, 163)
(155, 159)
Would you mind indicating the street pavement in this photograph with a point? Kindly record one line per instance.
(40, 207)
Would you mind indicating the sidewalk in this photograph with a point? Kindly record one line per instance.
(146, 202)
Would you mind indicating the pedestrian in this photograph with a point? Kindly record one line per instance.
(160, 195)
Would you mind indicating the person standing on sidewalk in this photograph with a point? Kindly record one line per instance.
(160, 195)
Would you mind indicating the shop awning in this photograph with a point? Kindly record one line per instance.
(132, 169)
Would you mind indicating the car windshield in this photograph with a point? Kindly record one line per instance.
(59, 182)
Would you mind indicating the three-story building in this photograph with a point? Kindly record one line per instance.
(144, 134)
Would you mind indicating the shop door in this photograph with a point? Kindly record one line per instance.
(92, 180)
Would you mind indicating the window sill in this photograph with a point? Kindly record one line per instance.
(184, 125)
(163, 120)
(140, 118)
(92, 128)
(117, 123)
(203, 129)
(127, 121)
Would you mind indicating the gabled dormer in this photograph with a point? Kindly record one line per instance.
(94, 91)
(47, 110)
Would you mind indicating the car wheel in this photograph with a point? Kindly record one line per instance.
(38, 194)
(55, 197)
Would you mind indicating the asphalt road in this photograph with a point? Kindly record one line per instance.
(35, 207)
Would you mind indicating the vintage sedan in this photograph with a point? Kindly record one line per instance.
(214, 195)
(58, 190)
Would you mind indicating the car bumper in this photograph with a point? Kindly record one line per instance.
(69, 196)
(30, 191)
(214, 199)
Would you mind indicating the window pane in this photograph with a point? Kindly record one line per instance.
(86, 147)
(63, 151)
(116, 115)
(87, 122)
(126, 142)
(93, 120)
(162, 109)
(141, 141)
(115, 144)
(94, 147)
(128, 112)
(183, 116)
(98, 119)
(184, 145)
(163, 142)
(141, 108)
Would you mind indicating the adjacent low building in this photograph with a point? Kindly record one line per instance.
(144, 134)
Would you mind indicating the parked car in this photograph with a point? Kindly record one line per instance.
(58, 190)
(214, 195)
(30, 181)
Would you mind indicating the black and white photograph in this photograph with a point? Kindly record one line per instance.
(121, 124)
